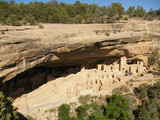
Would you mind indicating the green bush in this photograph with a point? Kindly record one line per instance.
(107, 34)
(117, 108)
(63, 112)
(6, 109)
(41, 26)
(122, 89)
(141, 91)
(125, 18)
(32, 23)
(97, 116)
(89, 21)
(82, 111)
(78, 19)
(154, 58)
(154, 91)
(149, 110)
(84, 99)
(111, 20)
(17, 23)
(24, 22)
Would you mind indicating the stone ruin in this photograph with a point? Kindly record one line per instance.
(96, 78)
(121, 69)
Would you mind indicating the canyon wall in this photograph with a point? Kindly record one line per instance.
(58, 45)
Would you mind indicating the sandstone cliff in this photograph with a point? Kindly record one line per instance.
(25, 47)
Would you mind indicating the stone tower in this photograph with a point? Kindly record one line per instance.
(140, 66)
(122, 64)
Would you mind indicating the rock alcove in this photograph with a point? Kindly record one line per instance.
(33, 78)
(30, 57)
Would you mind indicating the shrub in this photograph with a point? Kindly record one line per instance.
(84, 99)
(97, 116)
(143, 114)
(6, 109)
(96, 108)
(107, 34)
(125, 18)
(110, 20)
(150, 18)
(149, 110)
(154, 91)
(63, 112)
(41, 26)
(101, 21)
(96, 31)
(117, 108)
(24, 22)
(141, 91)
(33, 23)
(82, 111)
(30, 118)
(154, 58)
(131, 84)
(89, 21)
(78, 19)
(17, 23)
(122, 89)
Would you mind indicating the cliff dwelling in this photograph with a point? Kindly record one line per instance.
(95, 76)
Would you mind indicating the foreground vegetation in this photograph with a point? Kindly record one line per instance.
(117, 106)
(144, 104)
(154, 61)
(6, 109)
(54, 12)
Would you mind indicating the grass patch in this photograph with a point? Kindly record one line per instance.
(84, 99)
(30, 118)
(122, 89)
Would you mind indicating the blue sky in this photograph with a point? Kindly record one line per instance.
(146, 4)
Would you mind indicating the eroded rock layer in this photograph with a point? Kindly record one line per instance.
(57, 45)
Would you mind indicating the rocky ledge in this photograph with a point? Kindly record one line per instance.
(56, 45)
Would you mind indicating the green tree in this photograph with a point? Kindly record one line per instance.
(140, 12)
(103, 10)
(110, 12)
(149, 110)
(97, 116)
(131, 11)
(158, 12)
(4, 11)
(82, 111)
(71, 10)
(152, 12)
(31, 20)
(78, 19)
(54, 2)
(154, 92)
(143, 114)
(117, 9)
(117, 108)
(6, 109)
(64, 17)
(154, 60)
(141, 91)
(63, 112)
(12, 1)
(95, 10)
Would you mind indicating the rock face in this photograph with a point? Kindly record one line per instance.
(94, 81)
(57, 45)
